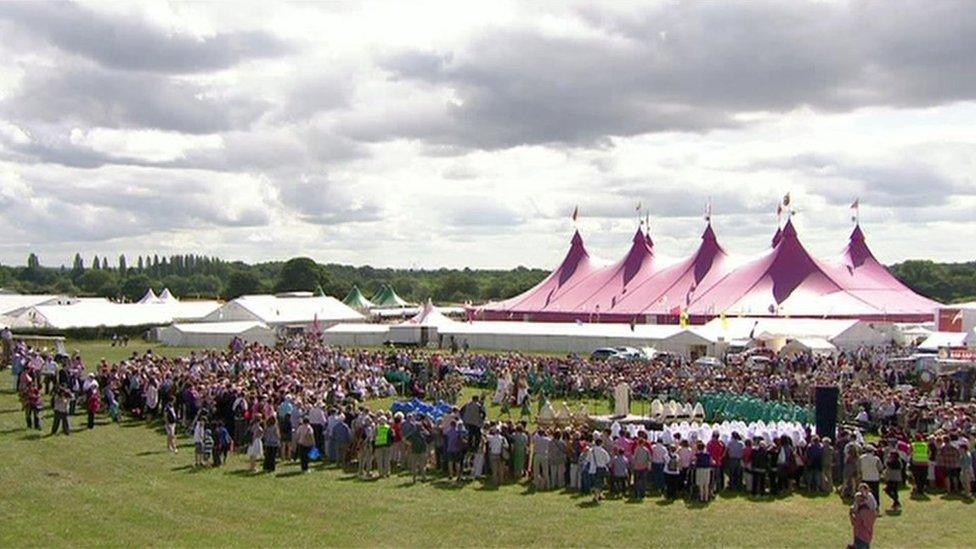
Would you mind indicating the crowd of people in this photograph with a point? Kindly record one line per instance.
(306, 402)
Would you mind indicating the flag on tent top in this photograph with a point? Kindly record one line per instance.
(786, 199)
(855, 209)
(708, 210)
(575, 213)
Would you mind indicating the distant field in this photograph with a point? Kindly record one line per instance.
(118, 486)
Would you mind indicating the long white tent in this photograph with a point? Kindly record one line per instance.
(93, 313)
(216, 335)
(298, 309)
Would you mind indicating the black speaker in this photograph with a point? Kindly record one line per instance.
(826, 411)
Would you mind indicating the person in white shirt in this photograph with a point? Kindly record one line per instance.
(599, 461)
(496, 445)
(871, 469)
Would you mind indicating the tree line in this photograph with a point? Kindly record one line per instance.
(196, 276)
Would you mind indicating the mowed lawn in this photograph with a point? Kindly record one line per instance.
(117, 485)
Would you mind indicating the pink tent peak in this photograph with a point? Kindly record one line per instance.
(600, 292)
(676, 285)
(786, 278)
(574, 267)
(777, 236)
(861, 274)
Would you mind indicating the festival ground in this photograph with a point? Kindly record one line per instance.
(117, 485)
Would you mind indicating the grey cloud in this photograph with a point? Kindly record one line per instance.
(113, 99)
(478, 212)
(131, 203)
(686, 67)
(136, 45)
(321, 201)
(905, 183)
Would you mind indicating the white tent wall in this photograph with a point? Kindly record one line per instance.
(861, 334)
(230, 312)
(216, 336)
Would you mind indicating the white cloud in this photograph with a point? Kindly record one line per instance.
(448, 133)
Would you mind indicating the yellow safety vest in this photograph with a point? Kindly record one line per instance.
(383, 435)
(920, 452)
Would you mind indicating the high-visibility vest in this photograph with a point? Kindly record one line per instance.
(383, 435)
(920, 452)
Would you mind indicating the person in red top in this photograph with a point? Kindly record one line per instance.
(397, 453)
(716, 449)
(94, 405)
(863, 515)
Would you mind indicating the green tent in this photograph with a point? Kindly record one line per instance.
(357, 300)
(387, 297)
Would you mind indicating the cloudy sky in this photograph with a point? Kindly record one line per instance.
(423, 134)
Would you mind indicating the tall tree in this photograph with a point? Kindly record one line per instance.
(140, 264)
(96, 263)
(122, 266)
(78, 268)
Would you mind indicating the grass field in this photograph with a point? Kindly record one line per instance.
(117, 485)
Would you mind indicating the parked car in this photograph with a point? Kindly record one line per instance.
(709, 361)
(603, 353)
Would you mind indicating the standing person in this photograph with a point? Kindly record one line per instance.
(340, 437)
(620, 470)
(305, 440)
(894, 465)
(272, 443)
(454, 436)
(496, 447)
(222, 444)
(870, 469)
(733, 461)
(716, 449)
(966, 473)
(93, 404)
(32, 407)
(473, 417)
(367, 435)
(557, 461)
(287, 445)
(659, 457)
(599, 461)
(418, 439)
(827, 479)
(199, 433)
(672, 473)
(920, 465)
(169, 423)
(703, 473)
(863, 515)
(540, 460)
(256, 450)
(641, 463)
(520, 451)
(759, 467)
(381, 446)
(61, 402)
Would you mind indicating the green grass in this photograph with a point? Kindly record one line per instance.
(117, 485)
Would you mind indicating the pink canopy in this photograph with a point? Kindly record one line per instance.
(600, 292)
(863, 276)
(576, 266)
(675, 286)
(785, 281)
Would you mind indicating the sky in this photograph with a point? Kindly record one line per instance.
(457, 134)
